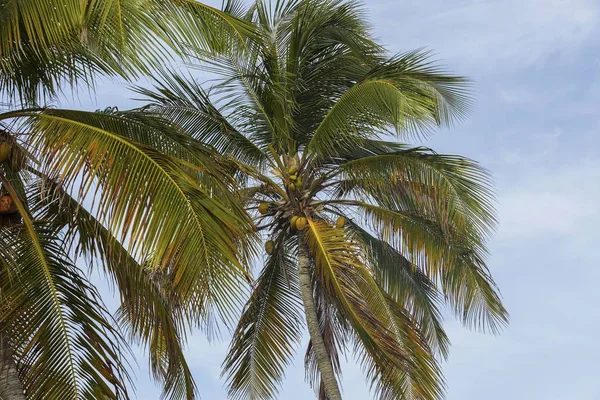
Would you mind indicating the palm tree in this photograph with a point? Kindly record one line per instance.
(367, 237)
(134, 197)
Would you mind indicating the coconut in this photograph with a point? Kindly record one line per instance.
(7, 205)
(263, 208)
(293, 177)
(269, 247)
(341, 221)
(5, 149)
(292, 187)
(292, 170)
(301, 223)
(293, 221)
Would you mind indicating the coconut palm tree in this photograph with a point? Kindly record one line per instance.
(128, 194)
(367, 237)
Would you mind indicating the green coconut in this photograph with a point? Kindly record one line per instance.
(263, 208)
(269, 247)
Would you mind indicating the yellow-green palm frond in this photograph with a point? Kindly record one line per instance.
(34, 22)
(153, 203)
(388, 342)
(149, 310)
(47, 43)
(269, 328)
(58, 328)
(192, 25)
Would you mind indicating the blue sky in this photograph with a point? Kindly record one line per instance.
(536, 126)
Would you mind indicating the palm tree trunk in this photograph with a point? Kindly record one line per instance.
(11, 387)
(312, 321)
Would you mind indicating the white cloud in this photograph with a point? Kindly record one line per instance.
(528, 214)
(510, 32)
(550, 202)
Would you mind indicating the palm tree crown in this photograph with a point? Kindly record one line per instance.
(366, 237)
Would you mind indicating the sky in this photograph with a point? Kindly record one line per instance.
(535, 125)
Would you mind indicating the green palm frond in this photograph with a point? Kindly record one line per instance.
(47, 43)
(59, 329)
(249, 95)
(407, 285)
(453, 190)
(269, 329)
(186, 104)
(445, 256)
(405, 93)
(196, 158)
(473, 294)
(418, 376)
(190, 24)
(393, 352)
(34, 22)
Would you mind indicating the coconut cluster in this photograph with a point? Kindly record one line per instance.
(295, 181)
(298, 207)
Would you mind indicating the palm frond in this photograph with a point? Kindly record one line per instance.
(47, 43)
(392, 350)
(34, 22)
(148, 309)
(452, 190)
(407, 285)
(186, 104)
(445, 256)
(192, 25)
(156, 205)
(269, 329)
(59, 329)
(473, 294)
(405, 93)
